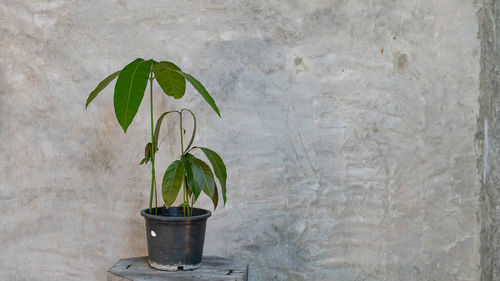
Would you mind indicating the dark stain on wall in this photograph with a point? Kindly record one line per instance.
(401, 62)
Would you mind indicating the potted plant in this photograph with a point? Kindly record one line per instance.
(175, 235)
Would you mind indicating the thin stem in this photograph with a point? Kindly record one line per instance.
(153, 146)
(188, 148)
(185, 195)
(185, 187)
(191, 149)
(185, 203)
(151, 197)
(184, 209)
(184, 206)
(156, 199)
(192, 204)
(189, 208)
(182, 135)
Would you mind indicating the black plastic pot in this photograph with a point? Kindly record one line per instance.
(175, 242)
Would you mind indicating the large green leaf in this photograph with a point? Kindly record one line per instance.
(202, 176)
(171, 82)
(192, 184)
(103, 84)
(129, 90)
(172, 182)
(219, 168)
(203, 92)
(198, 86)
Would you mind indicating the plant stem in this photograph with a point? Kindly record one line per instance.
(180, 127)
(153, 145)
(192, 204)
(185, 202)
(185, 195)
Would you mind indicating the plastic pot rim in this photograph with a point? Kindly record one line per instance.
(205, 215)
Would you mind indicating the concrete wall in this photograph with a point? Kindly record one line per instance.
(348, 128)
(488, 141)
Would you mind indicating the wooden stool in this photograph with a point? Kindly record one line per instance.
(212, 268)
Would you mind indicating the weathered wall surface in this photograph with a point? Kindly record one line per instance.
(348, 128)
(488, 141)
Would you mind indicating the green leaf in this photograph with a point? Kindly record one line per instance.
(215, 197)
(202, 176)
(189, 192)
(172, 182)
(171, 82)
(219, 168)
(144, 161)
(158, 126)
(203, 92)
(103, 84)
(192, 185)
(188, 156)
(129, 90)
(198, 86)
(147, 151)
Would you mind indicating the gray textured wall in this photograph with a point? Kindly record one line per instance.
(488, 141)
(348, 128)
